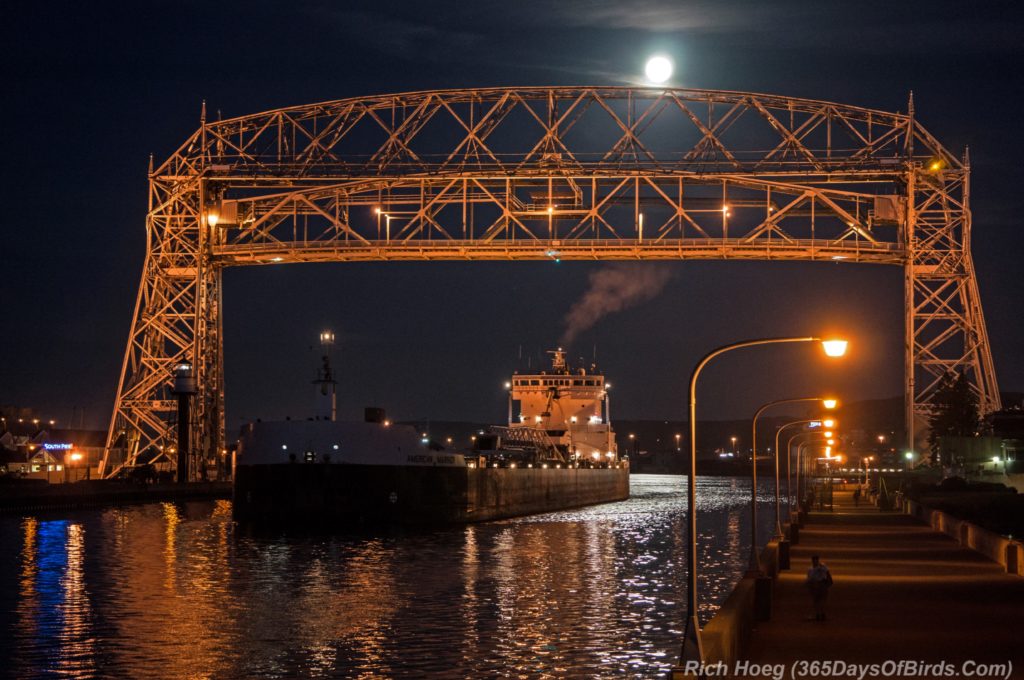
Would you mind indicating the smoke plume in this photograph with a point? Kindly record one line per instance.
(612, 289)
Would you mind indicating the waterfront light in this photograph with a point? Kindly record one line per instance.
(754, 563)
(834, 348)
(692, 648)
(658, 69)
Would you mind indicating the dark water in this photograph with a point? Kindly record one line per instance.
(176, 590)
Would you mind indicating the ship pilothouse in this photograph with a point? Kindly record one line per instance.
(570, 405)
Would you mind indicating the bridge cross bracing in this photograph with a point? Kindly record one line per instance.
(567, 173)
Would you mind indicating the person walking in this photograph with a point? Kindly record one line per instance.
(819, 580)
(856, 497)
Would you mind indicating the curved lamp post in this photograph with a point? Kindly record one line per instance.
(801, 463)
(789, 444)
(755, 563)
(692, 647)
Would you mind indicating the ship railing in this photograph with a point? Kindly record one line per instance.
(531, 437)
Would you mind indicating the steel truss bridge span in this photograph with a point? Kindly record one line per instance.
(573, 173)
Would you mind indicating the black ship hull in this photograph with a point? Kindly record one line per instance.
(410, 495)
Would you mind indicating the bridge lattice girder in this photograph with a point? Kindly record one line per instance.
(541, 173)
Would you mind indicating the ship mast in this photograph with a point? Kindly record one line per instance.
(326, 397)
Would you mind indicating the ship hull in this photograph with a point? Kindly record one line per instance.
(416, 495)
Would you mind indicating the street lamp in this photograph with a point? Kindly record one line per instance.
(755, 563)
(73, 457)
(865, 461)
(801, 465)
(789, 476)
(692, 649)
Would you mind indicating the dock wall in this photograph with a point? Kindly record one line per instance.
(99, 493)
(727, 635)
(1007, 552)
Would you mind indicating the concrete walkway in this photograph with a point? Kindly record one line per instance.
(902, 591)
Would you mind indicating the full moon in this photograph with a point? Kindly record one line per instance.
(658, 69)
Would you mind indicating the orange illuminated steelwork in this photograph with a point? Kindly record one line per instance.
(521, 173)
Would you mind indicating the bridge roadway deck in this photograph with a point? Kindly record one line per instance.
(902, 591)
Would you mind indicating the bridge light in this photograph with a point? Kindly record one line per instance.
(212, 218)
(830, 403)
(834, 348)
(551, 209)
(376, 210)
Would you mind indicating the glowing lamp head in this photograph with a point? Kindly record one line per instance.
(212, 218)
(909, 455)
(831, 442)
(658, 69)
(830, 403)
(834, 348)
(76, 456)
(828, 423)
(828, 433)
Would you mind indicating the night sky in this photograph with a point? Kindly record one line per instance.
(91, 89)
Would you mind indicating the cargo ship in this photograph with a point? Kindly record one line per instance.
(556, 452)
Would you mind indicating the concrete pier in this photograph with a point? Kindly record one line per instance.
(903, 591)
(98, 493)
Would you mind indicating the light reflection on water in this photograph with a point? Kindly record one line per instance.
(177, 590)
